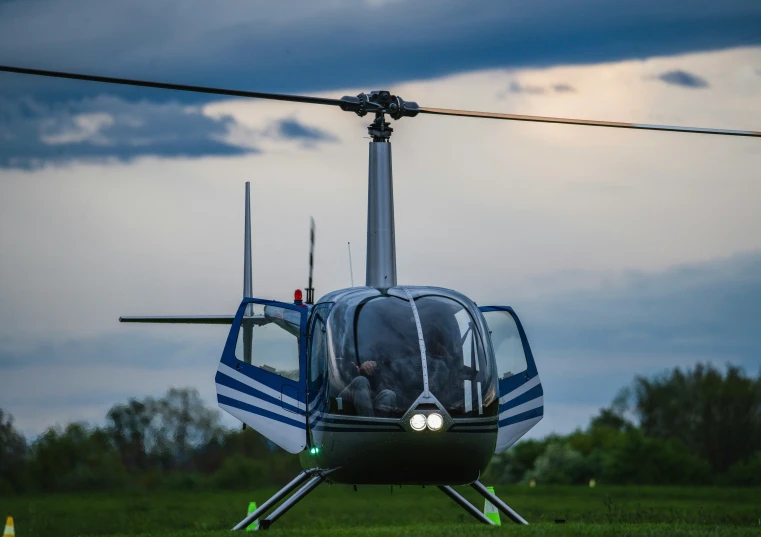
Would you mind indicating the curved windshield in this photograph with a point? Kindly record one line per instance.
(375, 368)
(460, 373)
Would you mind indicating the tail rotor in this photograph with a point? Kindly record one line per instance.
(310, 289)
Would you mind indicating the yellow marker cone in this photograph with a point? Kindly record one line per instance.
(10, 531)
(592, 483)
(490, 511)
(532, 483)
(254, 526)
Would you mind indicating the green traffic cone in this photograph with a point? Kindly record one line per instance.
(254, 526)
(491, 512)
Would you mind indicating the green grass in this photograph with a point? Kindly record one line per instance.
(375, 511)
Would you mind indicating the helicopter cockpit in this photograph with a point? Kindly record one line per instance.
(377, 365)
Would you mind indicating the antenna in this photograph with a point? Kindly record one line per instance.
(310, 289)
(351, 269)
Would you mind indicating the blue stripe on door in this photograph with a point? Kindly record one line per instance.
(224, 400)
(533, 413)
(533, 393)
(236, 385)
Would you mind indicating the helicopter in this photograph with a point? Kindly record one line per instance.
(381, 384)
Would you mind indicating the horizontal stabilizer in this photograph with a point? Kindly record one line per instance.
(194, 319)
(185, 319)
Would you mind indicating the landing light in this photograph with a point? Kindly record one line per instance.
(417, 422)
(434, 421)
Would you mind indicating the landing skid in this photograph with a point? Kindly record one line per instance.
(297, 496)
(477, 514)
(496, 502)
(313, 480)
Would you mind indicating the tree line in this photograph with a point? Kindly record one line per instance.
(694, 427)
(175, 441)
(699, 426)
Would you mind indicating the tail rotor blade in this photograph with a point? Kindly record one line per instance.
(310, 289)
(585, 122)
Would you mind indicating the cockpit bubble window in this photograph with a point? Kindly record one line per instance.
(268, 339)
(460, 373)
(375, 368)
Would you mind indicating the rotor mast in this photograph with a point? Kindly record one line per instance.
(381, 240)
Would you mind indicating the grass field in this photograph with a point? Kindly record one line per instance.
(376, 511)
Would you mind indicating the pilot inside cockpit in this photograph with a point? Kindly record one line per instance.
(380, 384)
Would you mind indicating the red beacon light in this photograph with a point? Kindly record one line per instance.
(298, 297)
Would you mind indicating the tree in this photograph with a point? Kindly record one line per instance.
(166, 433)
(13, 451)
(184, 424)
(75, 458)
(128, 427)
(717, 417)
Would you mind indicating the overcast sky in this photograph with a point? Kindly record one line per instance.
(623, 252)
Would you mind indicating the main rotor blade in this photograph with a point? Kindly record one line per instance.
(591, 123)
(180, 87)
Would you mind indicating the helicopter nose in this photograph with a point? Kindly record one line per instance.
(433, 421)
(424, 416)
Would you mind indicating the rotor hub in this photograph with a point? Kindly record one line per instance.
(381, 103)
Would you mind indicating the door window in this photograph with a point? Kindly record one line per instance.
(507, 344)
(268, 339)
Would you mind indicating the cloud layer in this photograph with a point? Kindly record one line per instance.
(602, 239)
(299, 46)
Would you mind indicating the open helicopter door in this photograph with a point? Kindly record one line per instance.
(521, 398)
(262, 374)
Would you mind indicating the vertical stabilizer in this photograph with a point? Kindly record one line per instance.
(247, 329)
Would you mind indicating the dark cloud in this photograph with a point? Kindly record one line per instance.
(104, 127)
(293, 130)
(683, 78)
(34, 132)
(517, 87)
(563, 88)
(590, 344)
(300, 46)
(699, 311)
